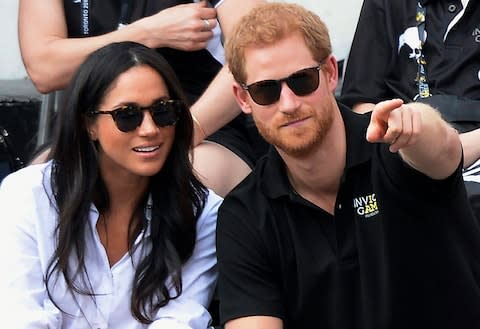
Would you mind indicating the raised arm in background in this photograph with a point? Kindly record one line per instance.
(51, 57)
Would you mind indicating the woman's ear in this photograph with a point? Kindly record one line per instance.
(93, 135)
(91, 128)
(241, 95)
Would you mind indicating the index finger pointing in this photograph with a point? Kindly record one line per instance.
(379, 119)
(383, 109)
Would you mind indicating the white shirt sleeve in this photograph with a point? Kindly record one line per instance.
(199, 275)
(22, 202)
(27, 243)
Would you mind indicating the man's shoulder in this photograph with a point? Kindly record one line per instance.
(249, 200)
(249, 191)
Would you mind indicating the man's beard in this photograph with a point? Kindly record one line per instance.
(301, 141)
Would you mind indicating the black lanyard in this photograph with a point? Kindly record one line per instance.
(123, 20)
(125, 11)
(421, 79)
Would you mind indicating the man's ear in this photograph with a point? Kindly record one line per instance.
(331, 69)
(241, 95)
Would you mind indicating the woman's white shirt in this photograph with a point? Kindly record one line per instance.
(28, 214)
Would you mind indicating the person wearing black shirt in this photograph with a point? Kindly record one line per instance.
(351, 221)
(397, 43)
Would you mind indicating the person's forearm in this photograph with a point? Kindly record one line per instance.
(437, 150)
(471, 147)
(231, 11)
(216, 107)
(51, 57)
(53, 63)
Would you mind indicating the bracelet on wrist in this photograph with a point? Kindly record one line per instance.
(195, 120)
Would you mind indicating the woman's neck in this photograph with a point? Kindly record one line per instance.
(117, 224)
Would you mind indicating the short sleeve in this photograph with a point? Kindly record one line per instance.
(247, 285)
(402, 178)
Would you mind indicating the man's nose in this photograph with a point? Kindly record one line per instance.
(288, 101)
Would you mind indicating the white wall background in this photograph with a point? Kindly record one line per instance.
(11, 66)
(340, 16)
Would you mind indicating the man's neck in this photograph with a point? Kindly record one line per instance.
(316, 177)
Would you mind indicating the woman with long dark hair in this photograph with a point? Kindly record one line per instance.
(115, 231)
(55, 36)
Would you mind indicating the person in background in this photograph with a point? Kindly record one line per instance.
(427, 51)
(351, 221)
(115, 231)
(55, 37)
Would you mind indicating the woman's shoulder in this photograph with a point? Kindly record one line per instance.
(31, 180)
(213, 197)
(25, 198)
(210, 209)
(213, 200)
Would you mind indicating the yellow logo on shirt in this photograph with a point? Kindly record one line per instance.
(366, 206)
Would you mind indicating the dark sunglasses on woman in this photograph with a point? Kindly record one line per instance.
(267, 92)
(128, 117)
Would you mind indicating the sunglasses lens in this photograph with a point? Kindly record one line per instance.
(129, 118)
(304, 82)
(165, 113)
(265, 92)
(301, 83)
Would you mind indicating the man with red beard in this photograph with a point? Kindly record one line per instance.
(350, 221)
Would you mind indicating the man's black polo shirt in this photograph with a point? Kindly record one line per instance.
(382, 64)
(401, 251)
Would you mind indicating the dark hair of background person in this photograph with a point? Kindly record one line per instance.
(178, 197)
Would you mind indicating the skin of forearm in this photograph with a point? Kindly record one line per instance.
(52, 68)
(216, 107)
(437, 151)
(471, 147)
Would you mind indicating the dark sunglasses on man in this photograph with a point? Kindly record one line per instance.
(302, 83)
(128, 117)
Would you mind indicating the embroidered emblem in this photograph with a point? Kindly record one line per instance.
(366, 206)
